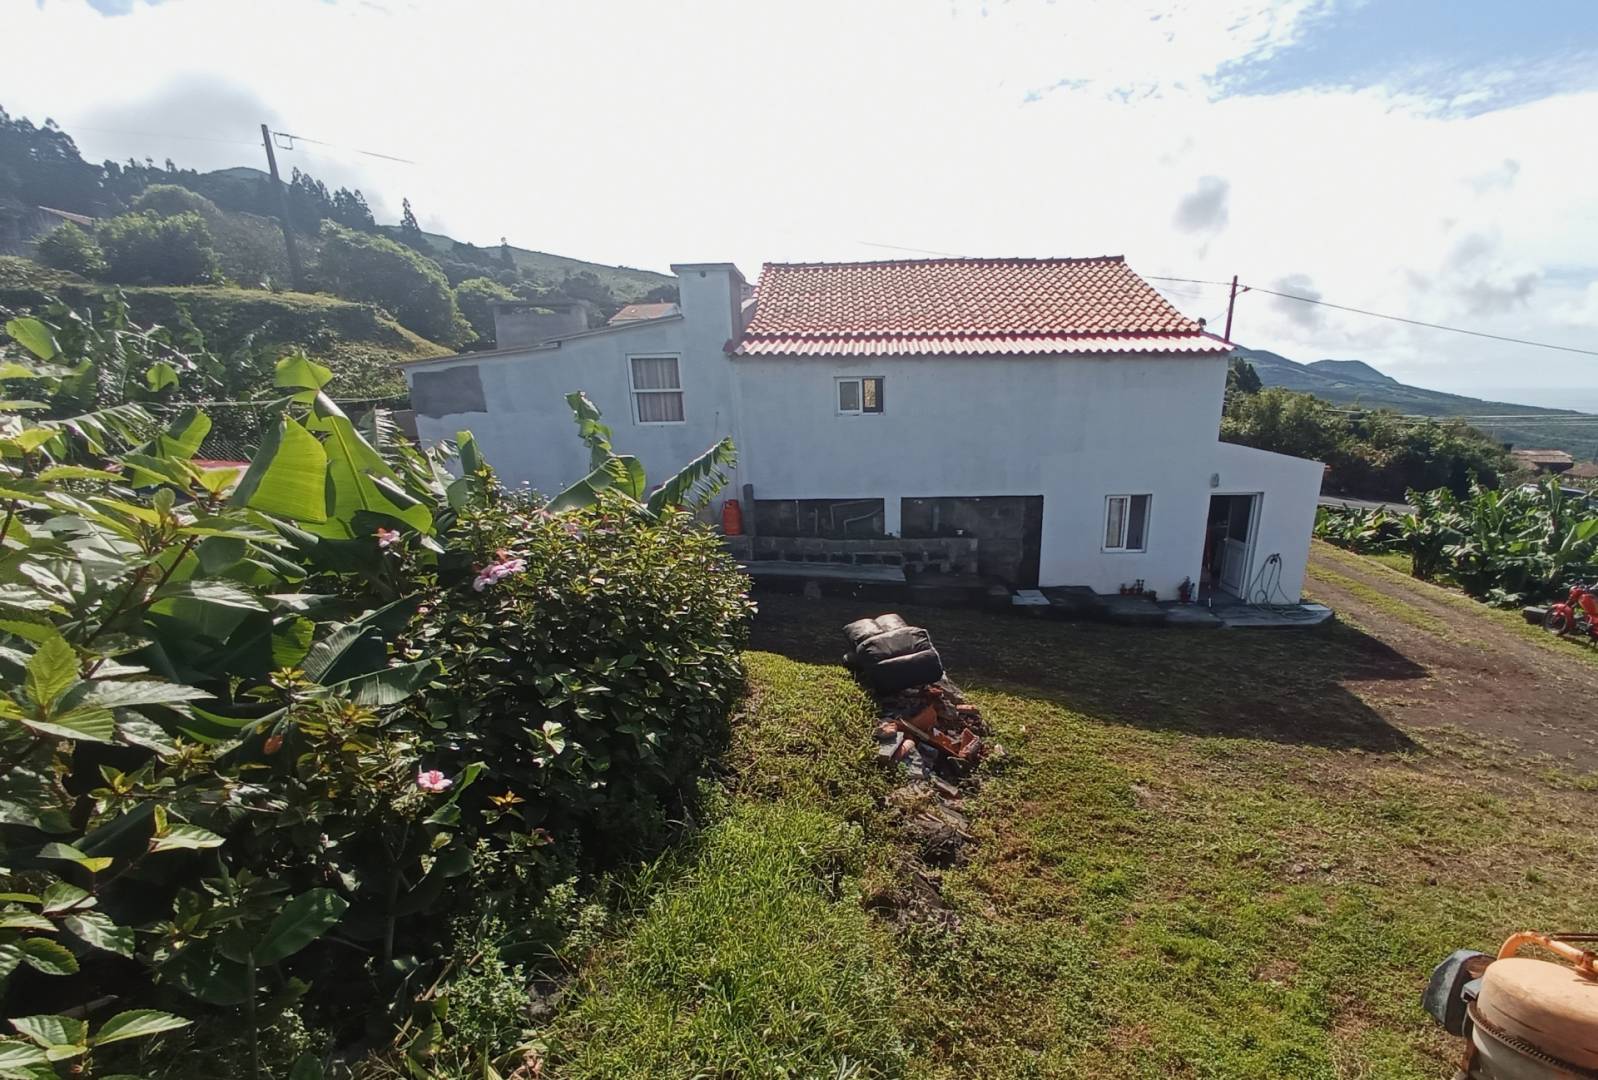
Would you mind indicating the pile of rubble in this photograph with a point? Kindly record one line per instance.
(933, 739)
(926, 725)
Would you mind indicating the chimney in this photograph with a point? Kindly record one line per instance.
(531, 322)
(712, 291)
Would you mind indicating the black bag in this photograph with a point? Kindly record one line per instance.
(890, 655)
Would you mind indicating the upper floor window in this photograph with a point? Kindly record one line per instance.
(1126, 523)
(860, 395)
(657, 389)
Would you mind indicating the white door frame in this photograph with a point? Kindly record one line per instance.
(1258, 499)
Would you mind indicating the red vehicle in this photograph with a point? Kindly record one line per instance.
(1577, 615)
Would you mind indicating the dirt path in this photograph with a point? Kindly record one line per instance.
(1483, 678)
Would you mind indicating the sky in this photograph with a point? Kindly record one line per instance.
(1434, 159)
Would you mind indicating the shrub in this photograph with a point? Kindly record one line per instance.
(143, 249)
(169, 200)
(598, 678)
(361, 266)
(259, 729)
(1506, 547)
(476, 297)
(67, 247)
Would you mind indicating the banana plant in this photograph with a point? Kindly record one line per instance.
(691, 487)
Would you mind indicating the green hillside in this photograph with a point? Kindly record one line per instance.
(248, 326)
(1353, 382)
(627, 283)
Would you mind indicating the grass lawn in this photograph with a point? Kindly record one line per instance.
(1208, 854)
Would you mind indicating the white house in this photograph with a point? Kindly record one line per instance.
(1060, 411)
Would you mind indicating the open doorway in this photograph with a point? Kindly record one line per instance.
(1229, 543)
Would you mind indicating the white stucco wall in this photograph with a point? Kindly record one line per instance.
(528, 435)
(1073, 429)
(1289, 488)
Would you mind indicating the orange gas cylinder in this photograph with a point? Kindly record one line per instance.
(732, 518)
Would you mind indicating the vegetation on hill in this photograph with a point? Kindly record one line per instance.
(1370, 454)
(1354, 383)
(146, 236)
(250, 328)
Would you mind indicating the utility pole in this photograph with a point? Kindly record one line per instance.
(296, 272)
(1231, 302)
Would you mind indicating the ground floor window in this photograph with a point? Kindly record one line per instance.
(860, 395)
(1126, 522)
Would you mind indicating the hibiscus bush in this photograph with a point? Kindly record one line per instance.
(272, 736)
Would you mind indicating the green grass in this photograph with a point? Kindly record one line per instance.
(759, 958)
(1202, 857)
(1510, 620)
(1396, 560)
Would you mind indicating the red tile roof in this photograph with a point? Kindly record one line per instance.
(965, 307)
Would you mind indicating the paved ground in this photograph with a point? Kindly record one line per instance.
(1484, 674)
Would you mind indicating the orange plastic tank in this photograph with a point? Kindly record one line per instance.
(732, 518)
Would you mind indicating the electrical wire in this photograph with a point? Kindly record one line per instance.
(1242, 288)
(338, 146)
(1427, 325)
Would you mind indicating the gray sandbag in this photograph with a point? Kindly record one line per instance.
(860, 629)
(892, 643)
(902, 672)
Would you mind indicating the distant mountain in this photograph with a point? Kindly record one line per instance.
(1350, 370)
(1354, 382)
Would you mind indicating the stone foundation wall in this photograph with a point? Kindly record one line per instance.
(948, 555)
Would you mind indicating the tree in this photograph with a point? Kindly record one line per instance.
(143, 249)
(40, 166)
(1374, 453)
(1241, 378)
(410, 233)
(350, 210)
(505, 257)
(477, 297)
(165, 200)
(374, 269)
(67, 247)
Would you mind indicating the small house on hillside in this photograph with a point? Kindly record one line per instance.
(1056, 419)
(1543, 462)
(634, 312)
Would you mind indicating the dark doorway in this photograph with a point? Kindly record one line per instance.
(1228, 543)
(1008, 529)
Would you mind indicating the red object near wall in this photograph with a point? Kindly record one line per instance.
(732, 518)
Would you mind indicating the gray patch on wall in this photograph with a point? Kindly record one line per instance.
(444, 393)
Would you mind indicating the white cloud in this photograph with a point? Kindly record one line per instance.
(646, 133)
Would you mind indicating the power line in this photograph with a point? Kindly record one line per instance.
(1382, 315)
(1428, 325)
(338, 146)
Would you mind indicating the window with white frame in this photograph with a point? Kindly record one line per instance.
(1126, 522)
(860, 394)
(657, 389)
